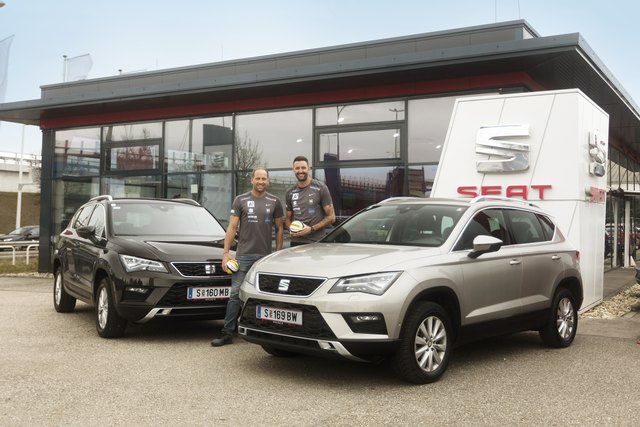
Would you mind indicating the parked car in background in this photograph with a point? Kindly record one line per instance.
(25, 233)
(408, 279)
(139, 259)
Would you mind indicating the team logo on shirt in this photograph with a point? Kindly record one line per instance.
(294, 196)
(251, 203)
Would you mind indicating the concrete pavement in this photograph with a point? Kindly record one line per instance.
(627, 326)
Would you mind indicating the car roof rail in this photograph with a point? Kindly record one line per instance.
(186, 200)
(102, 197)
(478, 199)
(399, 199)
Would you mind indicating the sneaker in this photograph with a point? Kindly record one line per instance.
(222, 340)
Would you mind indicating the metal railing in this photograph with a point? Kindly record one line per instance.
(31, 245)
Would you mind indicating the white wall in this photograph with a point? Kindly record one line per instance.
(560, 127)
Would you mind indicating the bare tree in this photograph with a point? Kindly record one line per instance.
(248, 156)
(247, 153)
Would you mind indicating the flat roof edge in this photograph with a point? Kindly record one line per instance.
(521, 23)
(432, 58)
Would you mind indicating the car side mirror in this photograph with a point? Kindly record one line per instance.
(483, 245)
(86, 231)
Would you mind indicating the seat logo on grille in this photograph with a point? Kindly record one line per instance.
(283, 286)
(209, 269)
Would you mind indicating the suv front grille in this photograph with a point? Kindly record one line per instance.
(177, 295)
(199, 269)
(288, 285)
(313, 325)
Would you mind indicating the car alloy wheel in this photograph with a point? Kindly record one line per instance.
(425, 346)
(430, 344)
(109, 324)
(562, 323)
(62, 301)
(565, 318)
(103, 308)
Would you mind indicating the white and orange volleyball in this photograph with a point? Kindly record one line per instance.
(296, 226)
(231, 266)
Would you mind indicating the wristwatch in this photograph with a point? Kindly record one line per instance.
(313, 229)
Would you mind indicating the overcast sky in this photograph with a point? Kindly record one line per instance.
(136, 35)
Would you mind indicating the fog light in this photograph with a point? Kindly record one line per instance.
(365, 318)
(135, 293)
(366, 323)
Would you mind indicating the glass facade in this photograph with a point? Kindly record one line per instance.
(365, 152)
(623, 204)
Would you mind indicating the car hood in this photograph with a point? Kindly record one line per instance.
(340, 259)
(195, 249)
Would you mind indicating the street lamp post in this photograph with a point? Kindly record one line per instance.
(19, 203)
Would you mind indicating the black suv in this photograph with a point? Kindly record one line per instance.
(137, 259)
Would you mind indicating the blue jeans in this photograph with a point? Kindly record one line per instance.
(234, 305)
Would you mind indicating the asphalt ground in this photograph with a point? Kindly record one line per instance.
(55, 370)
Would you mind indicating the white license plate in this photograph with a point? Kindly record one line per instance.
(217, 292)
(279, 315)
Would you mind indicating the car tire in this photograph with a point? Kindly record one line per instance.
(109, 324)
(426, 344)
(278, 352)
(562, 324)
(62, 301)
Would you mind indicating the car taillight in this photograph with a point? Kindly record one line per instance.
(578, 255)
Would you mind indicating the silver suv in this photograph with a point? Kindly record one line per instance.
(411, 278)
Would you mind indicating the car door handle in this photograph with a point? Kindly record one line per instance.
(515, 262)
(555, 258)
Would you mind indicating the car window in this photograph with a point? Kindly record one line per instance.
(158, 219)
(548, 226)
(525, 227)
(414, 225)
(98, 220)
(83, 216)
(489, 222)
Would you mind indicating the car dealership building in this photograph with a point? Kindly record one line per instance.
(371, 117)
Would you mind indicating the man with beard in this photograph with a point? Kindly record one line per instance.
(308, 202)
(257, 212)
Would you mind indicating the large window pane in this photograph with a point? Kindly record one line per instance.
(133, 186)
(213, 137)
(178, 155)
(132, 147)
(137, 132)
(67, 197)
(201, 145)
(353, 189)
(360, 113)
(272, 140)
(427, 127)
(135, 157)
(421, 179)
(360, 145)
(77, 152)
(216, 195)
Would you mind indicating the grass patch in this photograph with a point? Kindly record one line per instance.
(21, 266)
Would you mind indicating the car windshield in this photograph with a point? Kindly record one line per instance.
(20, 231)
(163, 219)
(408, 224)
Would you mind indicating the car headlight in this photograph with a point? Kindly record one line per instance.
(250, 278)
(376, 284)
(132, 263)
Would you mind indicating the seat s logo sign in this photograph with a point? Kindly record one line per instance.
(505, 155)
(597, 155)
